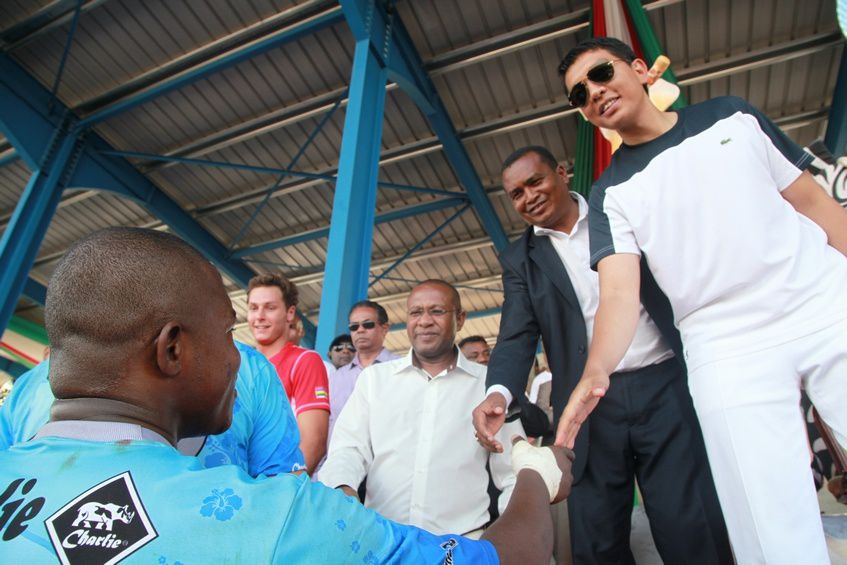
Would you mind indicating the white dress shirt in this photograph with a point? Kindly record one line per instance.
(648, 346)
(411, 435)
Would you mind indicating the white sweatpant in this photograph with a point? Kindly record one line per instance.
(755, 434)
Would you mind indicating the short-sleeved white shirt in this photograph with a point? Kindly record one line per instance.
(648, 347)
(742, 269)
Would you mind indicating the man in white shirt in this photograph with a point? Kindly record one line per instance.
(647, 429)
(406, 428)
(750, 252)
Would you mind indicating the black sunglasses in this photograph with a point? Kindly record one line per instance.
(600, 74)
(342, 346)
(367, 324)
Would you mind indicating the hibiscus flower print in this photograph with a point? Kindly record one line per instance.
(221, 503)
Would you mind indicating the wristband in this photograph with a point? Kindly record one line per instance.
(541, 460)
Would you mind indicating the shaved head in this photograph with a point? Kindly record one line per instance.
(114, 290)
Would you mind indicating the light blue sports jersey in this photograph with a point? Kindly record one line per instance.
(263, 437)
(88, 501)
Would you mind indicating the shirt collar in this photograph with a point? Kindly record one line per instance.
(462, 363)
(384, 355)
(279, 354)
(98, 431)
(583, 215)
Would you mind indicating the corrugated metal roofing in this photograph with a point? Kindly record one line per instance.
(493, 64)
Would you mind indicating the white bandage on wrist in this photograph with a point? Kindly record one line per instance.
(541, 460)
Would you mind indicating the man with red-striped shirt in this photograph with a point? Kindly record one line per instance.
(271, 310)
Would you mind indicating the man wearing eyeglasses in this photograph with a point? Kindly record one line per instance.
(368, 325)
(406, 428)
(749, 251)
(647, 430)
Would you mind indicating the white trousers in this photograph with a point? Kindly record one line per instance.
(755, 434)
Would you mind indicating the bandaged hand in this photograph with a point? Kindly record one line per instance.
(552, 463)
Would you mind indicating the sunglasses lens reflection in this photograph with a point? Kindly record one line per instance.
(601, 74)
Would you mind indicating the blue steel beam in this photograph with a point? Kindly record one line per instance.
(68, 42)
(318, 233)
(22, 121)
(101, 172)
(9, 157)
(836, 129)
(30, 221)
(272, 171)
(292, 163)
(285, 35)
(28, 125)
(419, 244)
(352, 223)
(203, 53)
(391, 42)
(97, 170)
(34, 290)
(33, 23)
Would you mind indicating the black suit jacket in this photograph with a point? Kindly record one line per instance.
(540, 300)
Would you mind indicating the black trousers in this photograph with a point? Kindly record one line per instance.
(645, 428)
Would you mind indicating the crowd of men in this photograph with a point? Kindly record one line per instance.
(681, 309)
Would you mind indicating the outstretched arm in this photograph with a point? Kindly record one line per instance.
(614, 328)
(523, 533)
(511, 359)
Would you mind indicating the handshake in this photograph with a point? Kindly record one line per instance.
(553, 464)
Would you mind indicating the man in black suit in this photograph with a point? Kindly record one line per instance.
(645, 428)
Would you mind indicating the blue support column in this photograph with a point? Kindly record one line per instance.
(391, 42)
(351, 231)
(30, 220)
(836, 129)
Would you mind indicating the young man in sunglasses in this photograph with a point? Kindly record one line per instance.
(750, 253)
(368, 325)
(271, 311)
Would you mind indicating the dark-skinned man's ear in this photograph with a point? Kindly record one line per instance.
(169, 349)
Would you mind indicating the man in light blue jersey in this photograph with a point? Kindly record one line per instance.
(263, 438)
(102, 482)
